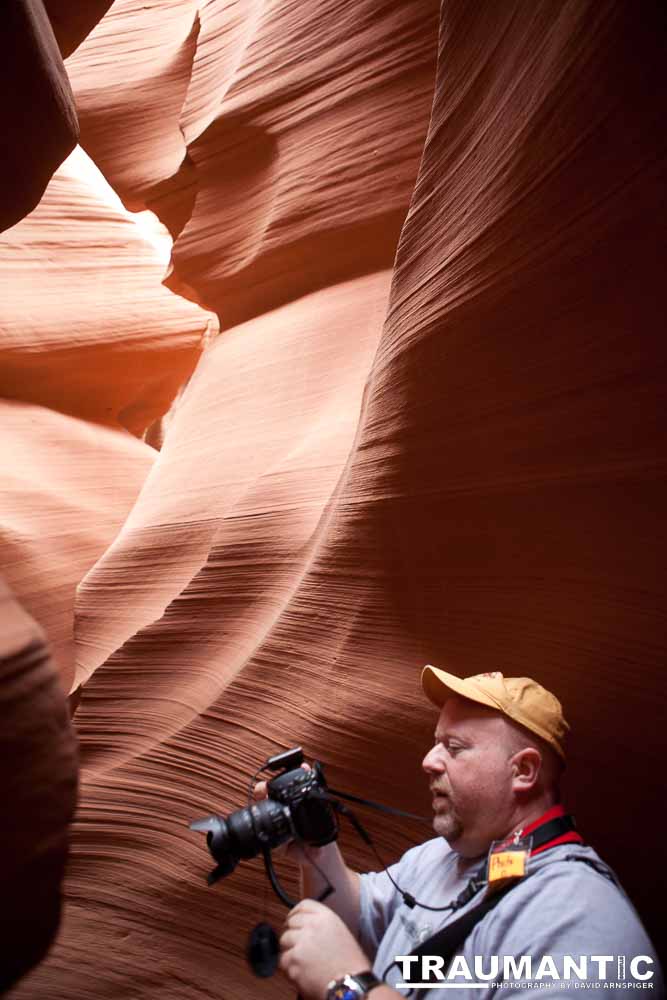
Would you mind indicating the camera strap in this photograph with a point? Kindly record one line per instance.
(389, 810)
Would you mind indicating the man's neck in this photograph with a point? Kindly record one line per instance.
(522, 817)
(531, 813)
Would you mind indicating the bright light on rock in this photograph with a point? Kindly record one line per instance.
(147, 222)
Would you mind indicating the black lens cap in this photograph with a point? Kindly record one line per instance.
(263, 950)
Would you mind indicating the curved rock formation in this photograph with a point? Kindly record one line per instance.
(38, 771)
(38, 123)
(131, 94)
(515, 433)
(280, 141)
(260, 437)
(88, 327)
(67, 487)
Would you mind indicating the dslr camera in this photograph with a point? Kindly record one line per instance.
(297, 808)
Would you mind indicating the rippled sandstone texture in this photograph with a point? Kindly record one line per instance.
(475, 478)
(281, 445)
(279, 142)
(90, 337)
(67, 488)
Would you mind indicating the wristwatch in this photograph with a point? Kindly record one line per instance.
(352, 987)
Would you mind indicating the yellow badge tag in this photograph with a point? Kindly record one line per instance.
(507, 864)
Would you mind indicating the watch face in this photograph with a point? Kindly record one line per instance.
(343, 992)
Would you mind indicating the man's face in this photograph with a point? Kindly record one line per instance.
(470, 777)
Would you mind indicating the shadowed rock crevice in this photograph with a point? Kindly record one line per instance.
(38, 121)
(38, 777)
(73, 22)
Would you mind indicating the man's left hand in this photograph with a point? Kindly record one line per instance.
(316, 947)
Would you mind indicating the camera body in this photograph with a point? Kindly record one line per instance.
(301, 793)
(296, 808)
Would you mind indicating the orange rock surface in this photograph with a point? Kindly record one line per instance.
(67, 488)
(109, 344)
(279, 143)
(459, 458)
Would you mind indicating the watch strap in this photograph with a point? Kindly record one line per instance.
(367, 980)
(356, 986)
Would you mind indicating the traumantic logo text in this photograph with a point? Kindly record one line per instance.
(566, 971)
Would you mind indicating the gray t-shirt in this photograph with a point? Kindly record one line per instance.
(560, 908)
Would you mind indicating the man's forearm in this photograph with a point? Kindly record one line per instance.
(344, 900)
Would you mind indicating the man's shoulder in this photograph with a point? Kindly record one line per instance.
(434, 855)
(570, 896)
(568, 866)
(572, 873)
(433, 850)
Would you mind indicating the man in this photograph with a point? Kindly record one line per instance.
(494, 774)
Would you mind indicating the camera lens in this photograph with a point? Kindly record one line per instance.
(244, 834)
(265, 824)
(296, 807)
(218, 842)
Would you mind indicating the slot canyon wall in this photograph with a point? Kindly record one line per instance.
(399, 399)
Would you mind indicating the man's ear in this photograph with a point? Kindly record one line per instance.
(526, 766)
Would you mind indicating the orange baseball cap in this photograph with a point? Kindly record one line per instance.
(521, 698)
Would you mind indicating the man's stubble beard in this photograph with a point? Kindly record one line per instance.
(448, 824)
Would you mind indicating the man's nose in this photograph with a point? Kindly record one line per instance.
(433, 762)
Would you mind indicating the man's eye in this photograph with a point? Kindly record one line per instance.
(449, 747)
